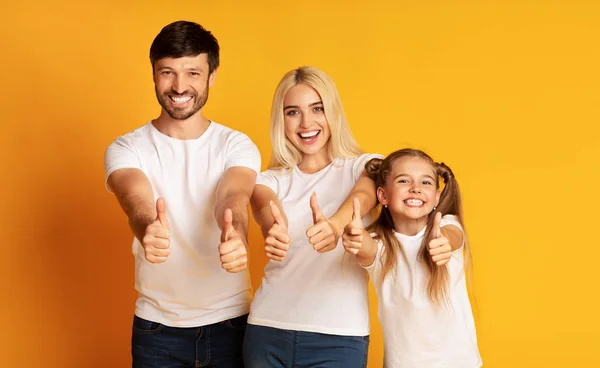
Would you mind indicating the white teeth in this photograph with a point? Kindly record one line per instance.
(309, 134)
(413, 202)
(181, 99)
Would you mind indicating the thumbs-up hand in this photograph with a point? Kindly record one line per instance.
(353, 232)
(277, 241)
(234, 255)
(439, 246)
(156, 241)
(322, 235)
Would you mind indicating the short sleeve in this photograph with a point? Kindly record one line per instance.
(120, 154)
(453, 220)
(241, 151)
(268, 179)
(359, 164)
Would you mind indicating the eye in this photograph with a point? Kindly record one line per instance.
(427, 182)
(291, 112)
(166, 72)
(403, 181)
(193, 74)
(318, 109)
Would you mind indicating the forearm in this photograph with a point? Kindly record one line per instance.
(343, 215)
(264, 218)
(238, 204)
(140, 212)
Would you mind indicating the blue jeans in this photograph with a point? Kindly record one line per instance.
(219, 345)
(267, 347)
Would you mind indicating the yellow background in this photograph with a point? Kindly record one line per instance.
(505, 92)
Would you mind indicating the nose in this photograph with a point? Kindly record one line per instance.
(415, 189)
(305, 122)
(179, 84)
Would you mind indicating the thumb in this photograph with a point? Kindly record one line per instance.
(276, 214)
(314, 206)
(161, 212)
(437, 233)
(227, 224)
(356, 214)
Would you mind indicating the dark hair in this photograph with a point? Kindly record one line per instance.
(183, 38)
(450, 204)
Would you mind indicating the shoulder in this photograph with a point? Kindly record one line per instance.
(228, 134)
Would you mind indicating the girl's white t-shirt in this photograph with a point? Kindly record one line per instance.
(418, 333)
(309, 291)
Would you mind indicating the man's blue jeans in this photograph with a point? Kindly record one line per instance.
(219, 345)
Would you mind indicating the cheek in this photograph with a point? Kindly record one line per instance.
(324, 124)
(162, 83)
(289, 127)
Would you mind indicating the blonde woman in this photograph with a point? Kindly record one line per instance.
(311, 309)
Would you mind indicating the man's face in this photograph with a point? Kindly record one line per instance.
(182, 84)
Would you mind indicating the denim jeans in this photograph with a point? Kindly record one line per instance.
(219, 345)
(267, 347)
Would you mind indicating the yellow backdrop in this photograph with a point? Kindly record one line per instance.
(505, 92)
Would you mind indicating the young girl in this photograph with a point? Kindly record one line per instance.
(311, 309)
(414, 257)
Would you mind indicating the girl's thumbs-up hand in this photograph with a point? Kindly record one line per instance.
(439, 246)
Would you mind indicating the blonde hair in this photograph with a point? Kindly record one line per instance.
(341, 144)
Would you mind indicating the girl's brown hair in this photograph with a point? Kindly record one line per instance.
(450, 204)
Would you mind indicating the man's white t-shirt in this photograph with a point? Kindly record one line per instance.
(416, 332)
(191, 288)
(308, 291)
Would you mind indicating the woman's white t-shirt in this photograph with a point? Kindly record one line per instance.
(309, 291)
(418, 333)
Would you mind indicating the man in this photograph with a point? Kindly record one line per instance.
(184, 183)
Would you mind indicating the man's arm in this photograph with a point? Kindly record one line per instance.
(231, 212)
(134, 193)
(147, 221)
(233, 192)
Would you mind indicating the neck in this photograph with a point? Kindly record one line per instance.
(310, 164)
(409, 227)
(190, 128)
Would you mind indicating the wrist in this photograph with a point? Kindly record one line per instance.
(337, 226)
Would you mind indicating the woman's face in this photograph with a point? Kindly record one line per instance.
(305, 123)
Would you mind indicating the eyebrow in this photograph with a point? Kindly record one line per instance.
(427, 176)
(297, 107)
(195, 68)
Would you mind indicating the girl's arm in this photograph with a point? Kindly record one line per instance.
(444, 241)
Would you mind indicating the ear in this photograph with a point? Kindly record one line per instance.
(381, 197)
(211, 78)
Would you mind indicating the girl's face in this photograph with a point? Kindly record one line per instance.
(305, 123)
(410, 190)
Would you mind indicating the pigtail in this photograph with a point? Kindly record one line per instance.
(372, 167)
(378, 169)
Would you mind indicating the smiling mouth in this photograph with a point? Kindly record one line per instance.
(180, 99)
(309, 136)
(414, 202)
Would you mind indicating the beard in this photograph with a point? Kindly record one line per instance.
(182, 113)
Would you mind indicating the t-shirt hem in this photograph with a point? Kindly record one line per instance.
(308, 328)
(197, 322)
